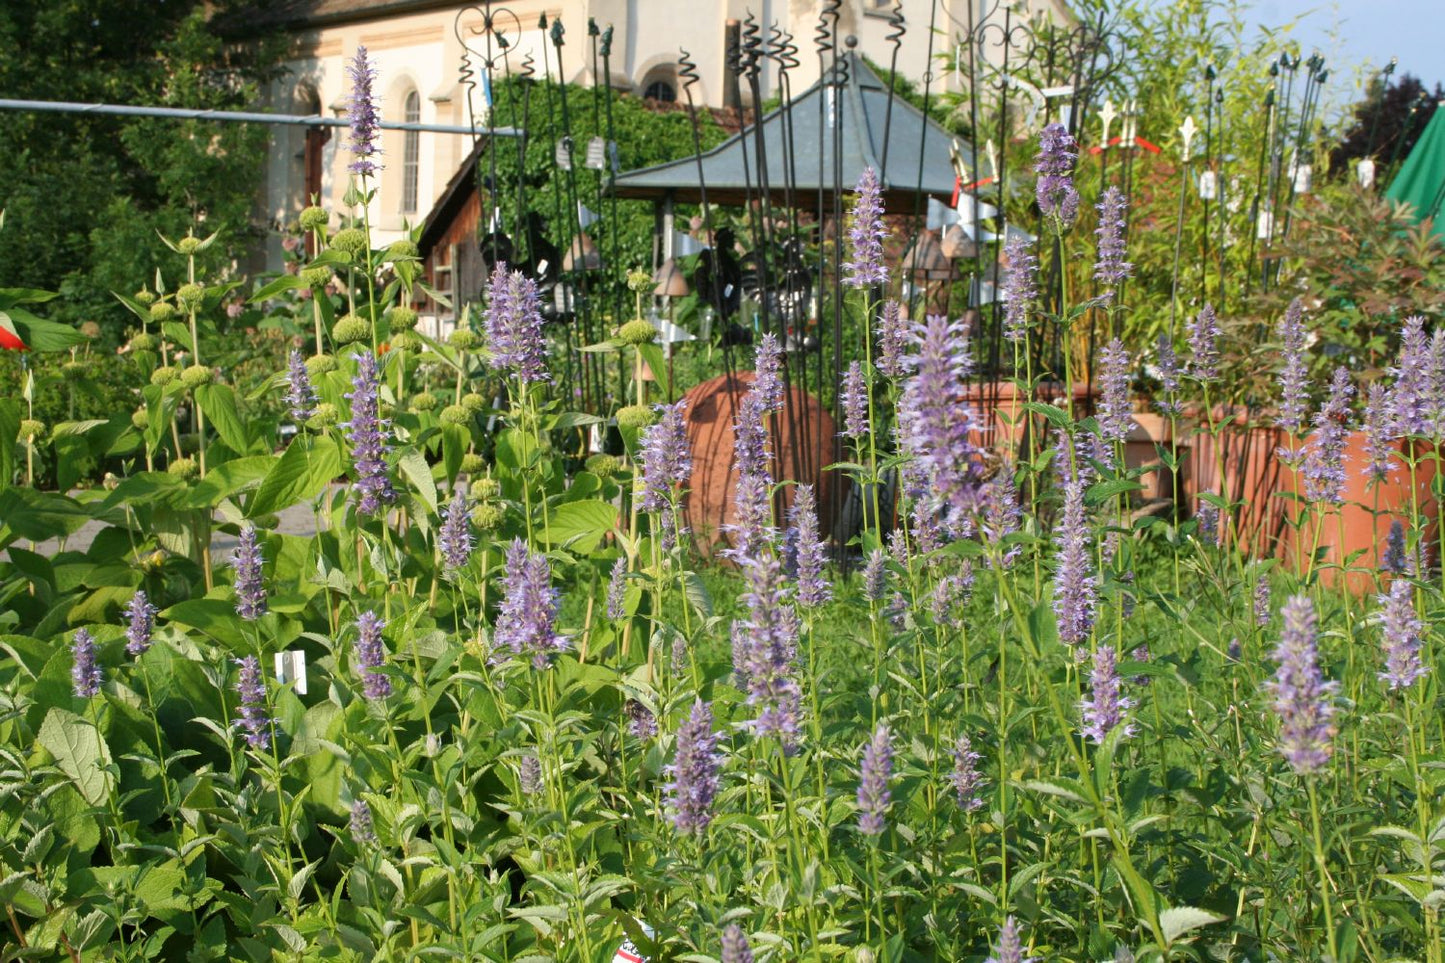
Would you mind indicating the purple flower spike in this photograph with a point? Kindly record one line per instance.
(892, 340)
(875, 575)
(454, 539)
(1204, 332)
(765, 650)
(813, 589)
(1110, 268)
(873, 795)
(1414, 404)
(1394, 561)
(142, 616)
(1294, 382)
(371, 655)
(1020, 287)
(1302, 698)
(1261, 601)
(934, 430)
(768, 373)
(85, 673)
(1010, 946)
(735, 947)
(853, 398)
(616, 589)
(529, 775)
(666, 457)
(1208, 516)
(967, 782)
(513, 326)
(1075, 587)
(1001, 511)
(250, 592)
(367, 432)
(300, 394)
(753, 530)
(1054, 189)
(1379, 429)
(363, 827)
(865, 235)
(361, 109)
(694, 772)
(1323, 470)
(1105, 711)
(529, 606)
(1400, 630)
(1169, 375)
(252, 689)
(1115, 411)
(750, 437)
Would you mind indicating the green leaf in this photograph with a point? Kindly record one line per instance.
(581, 525)
(10, 416)
(1057, 417)
(79, 752)
(226, 479)
(39, 335)
(455, 440)
(286, 282)
(219, 404)
(305, 469)
(652, 354)
(414, 467)
(1178, 920)
(27, 513)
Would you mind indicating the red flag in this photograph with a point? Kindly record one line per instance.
(10, 341)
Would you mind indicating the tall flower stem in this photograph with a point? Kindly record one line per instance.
(1321, 866)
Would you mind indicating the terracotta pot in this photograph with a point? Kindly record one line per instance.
(1252, 473)
(803, 438)
(1358, 527)
(997, 409)
(1148, 435)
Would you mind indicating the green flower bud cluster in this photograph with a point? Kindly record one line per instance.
(350, 329)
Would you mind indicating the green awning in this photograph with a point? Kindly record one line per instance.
(1421, 181)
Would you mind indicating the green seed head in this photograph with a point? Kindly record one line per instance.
(424, 401)
(404, 248)
(314, 218)
(352, 240)
(401, 318)
(456, 415)
(190, 296)
(603, 466)
(188, 245)
(140, 419)
(639, 280)
(144, 341)
(183, 468)
(196, 375)
(30, 429)
(165, 374)
(145, 296)
(485, 489)
(162, 311)
(73, 369)
(636, 332)
(472, 463)
(323, 417)
(350, 329)
(634, 416)
(487, 517)
(316, 278)
(407, 341)
(463, 339)
(320, 364)
(473, 402)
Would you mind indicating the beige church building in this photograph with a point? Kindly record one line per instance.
(420, 47)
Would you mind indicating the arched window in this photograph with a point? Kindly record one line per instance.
(410, 153)
(660, 84)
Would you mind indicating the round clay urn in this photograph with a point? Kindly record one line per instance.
(802, 440)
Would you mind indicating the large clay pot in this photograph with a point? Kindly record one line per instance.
(1252, 474)
(803, 438)
(1148, 435)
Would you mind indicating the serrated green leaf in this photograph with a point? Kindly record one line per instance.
(1178, 920)
(79, 751)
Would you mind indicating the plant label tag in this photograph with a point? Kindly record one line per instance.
(564, 153)
(291, 668)
(595, 439)
(1208, 186)
(1304, 176)
(542, 266)
(628, 952)
(1264, 227)
(596, 154)
(1365, 172)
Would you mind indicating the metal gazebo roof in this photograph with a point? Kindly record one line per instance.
(730, 171)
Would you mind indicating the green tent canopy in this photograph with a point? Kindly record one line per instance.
(1421, 181)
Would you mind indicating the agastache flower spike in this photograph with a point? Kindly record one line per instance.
(1261, 601)
(1110, 269)
(1074, 583)
(300, 394)
(85, 673)
(875, 575)
(1114, 410)
(250, 593)
(1394, 562)
(1413, 403)
(1294, 379)
(1105, 711)
(750, 437)
(1323, 470)
(1054, 189)
(1010, 947)
(371, 655)
(1020, 287)
(1204, 332)
(1302, 697)
(616, 589)
(765, 649)
(1379, 435)
(812, 587)
(363, 827)
(853, 398)
(873, 776)
(735, 947)
(1169, 375)
(752, 530)
(361, 110)
(142, 616)
(529, 775)
(865, 235)
(966, 779)
(694, 773)
(768, 377)
(513, 326)
(367, 432)
(1400, 630)
(529, 606)
(666, 457)
(934, 429)
(892, 340)
(252, 689)
(454, 539)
